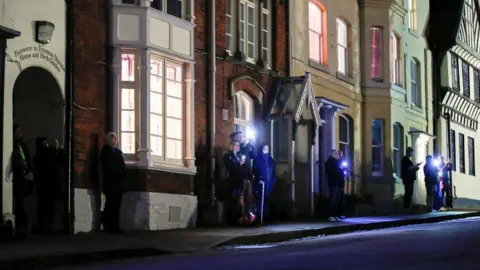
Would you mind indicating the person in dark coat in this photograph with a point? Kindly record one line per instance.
(336, 183)
(247, 149)
(409, 175)
(45, 162)
(264, 171)
(22, 180)
(239, 185)
(114, 169)
(430, 171)
(446, 167)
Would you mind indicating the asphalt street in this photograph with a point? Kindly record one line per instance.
(452, 245)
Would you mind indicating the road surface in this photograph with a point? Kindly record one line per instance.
(448, 245)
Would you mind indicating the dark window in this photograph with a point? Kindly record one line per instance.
(476, 85)
(466, 79)
(397, 150)
(129, 2)
(461, 151)
(455, 79)
(453, 149)
(172, 7)
(471, 156)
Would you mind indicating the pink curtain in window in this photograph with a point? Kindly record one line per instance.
(376, 56)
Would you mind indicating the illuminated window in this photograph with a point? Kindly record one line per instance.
(316, 19)
(342, 47)
(166, 109)
(395, 59)
(244, 111)
(128, 107)
(412, 14)
(376, 34)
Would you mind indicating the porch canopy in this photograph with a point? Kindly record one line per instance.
(294, 96)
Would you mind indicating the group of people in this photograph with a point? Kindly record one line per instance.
(43, 178)
(437, 182)
(249, 181)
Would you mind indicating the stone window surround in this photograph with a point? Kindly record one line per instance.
(143, 159)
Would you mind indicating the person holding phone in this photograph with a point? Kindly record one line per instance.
(409, 175)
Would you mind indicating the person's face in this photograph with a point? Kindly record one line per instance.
(236, 147)
(340, 154)
(335, 155)
(18, 133)
(410, 154)
(265, 149)
(113, 141)
(238, 137)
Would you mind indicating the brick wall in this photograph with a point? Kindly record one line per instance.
(227, 70)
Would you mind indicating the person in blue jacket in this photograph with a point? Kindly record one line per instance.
(264, 171)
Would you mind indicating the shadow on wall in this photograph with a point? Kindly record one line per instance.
(91, 176)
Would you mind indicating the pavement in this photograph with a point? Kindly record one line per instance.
(41, 252)
(440, 246)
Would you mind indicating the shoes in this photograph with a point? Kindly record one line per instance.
(341, 217)
(332, 219)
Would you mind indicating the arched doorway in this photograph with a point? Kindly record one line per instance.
(38, 107)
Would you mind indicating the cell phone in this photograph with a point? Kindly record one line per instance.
(244, 157)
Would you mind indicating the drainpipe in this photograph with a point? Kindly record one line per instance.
(288, 55)
(211, 102)
(69, 205)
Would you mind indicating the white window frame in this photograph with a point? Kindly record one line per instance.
(342, 46)
(379, 46)
(267, 31)
(244, 42)
(381, 146)
(317, 35)
(412, 14)
(230, 31)
(243, 124)
(415, 83)
(163, 158)
(395, 58)
(398, 147)
(345, 143)
(135, 85)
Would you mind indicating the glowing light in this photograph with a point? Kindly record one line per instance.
(244, 157)
(440, 174)
(345, 172)
(436, 162)
(250, 133)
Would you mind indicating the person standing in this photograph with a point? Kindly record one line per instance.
(264, 171)
(409, 175)
(445, 168)
(430, 171)
(336, 183)
(114, 170)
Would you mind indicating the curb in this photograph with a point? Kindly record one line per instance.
(299, 234)
(58, 260)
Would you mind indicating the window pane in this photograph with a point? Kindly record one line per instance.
(342, 59)
(156, 124)
(174, 107)
(156, 103)
(396, 137)
(251, 15)
(174, 128)
(174, 89)
(174, 73)
(128, 99)
(343, 130)
(128, 67)
(342, 33)
(376, 57)
(377, 126)
(264, 21)
(250, 51)
(251, 33)
(377, 159)
(127, 142)
(156, 144)
(314, 46)
(128, 121)
(174, 7)
(453, 150)
(314, 17)
(174, 149)
(156, 67)
(156, 83)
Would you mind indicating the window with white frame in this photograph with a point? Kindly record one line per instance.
(172, 7)
(415, 83)
(316, 19)
(244, 112)
(376, 33)
(397, 149)
(395, 59)
(412, 14)
(166, 110)
(128, 103)
(377, 147)
(249, 29)
(342, 47)
(344, 136)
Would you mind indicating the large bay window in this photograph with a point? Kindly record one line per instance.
(342, 47)
(316, 21)
(254, 29)
(166, 109)
(395, 59)
(376, 33)
(129, 103)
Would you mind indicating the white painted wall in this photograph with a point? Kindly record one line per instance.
(141, 211)
(20, 15)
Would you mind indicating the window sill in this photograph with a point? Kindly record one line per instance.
(415, 108)
(345, 78)
(377, 80)
(398, 88)
(413, 33)
(164, 167)
(318, 66)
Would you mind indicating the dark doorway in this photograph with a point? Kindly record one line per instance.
(38, 107)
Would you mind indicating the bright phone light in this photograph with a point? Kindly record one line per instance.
(250, 133)
(440, 174)
(344, 164)
(244, 157)
(436, 162)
